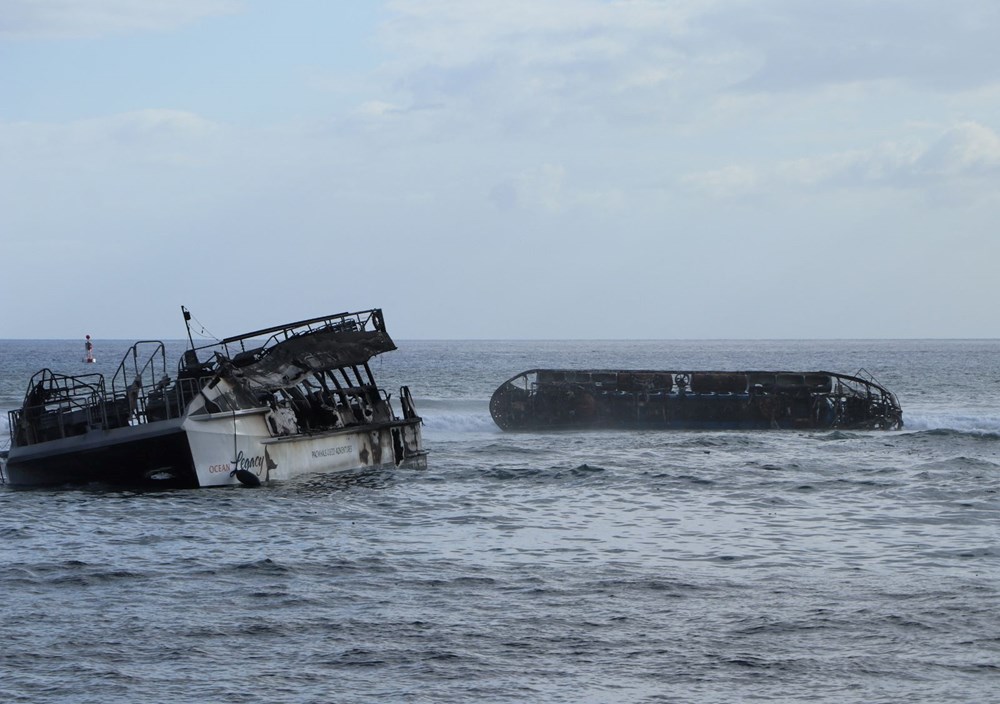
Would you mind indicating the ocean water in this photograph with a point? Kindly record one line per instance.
(774, 566)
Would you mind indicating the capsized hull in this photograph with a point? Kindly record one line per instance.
(561, 399)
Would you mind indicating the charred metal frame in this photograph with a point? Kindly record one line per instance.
(549, 399)
(317, 369)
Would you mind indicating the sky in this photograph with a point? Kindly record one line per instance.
(515, 169)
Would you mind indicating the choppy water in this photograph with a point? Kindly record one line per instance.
(571, 567)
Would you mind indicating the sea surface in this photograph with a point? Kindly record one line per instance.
(774, 566)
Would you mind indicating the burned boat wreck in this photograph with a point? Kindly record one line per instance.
(266, 405)
(564, 399)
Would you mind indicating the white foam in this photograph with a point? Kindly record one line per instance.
(452, 421)
(962, 422)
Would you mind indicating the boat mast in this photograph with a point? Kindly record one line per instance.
(187, 324)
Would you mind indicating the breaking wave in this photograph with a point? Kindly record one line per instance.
(961, 422)
(457, 421)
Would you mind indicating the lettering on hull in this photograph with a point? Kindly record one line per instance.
(259, 465)
(332, 451)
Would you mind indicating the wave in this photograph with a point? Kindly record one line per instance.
(440, 419)
(455, 421)
(953, 421)
(973, 423)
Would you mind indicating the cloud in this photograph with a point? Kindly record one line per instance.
(805, 46)
(544, 189)
(967, 151)
(152, 125)
(453, 33)
(534, 66)
(377, 108)
(83, 176)
(727, 182)
(524, 67)
(74, 19)
(152, 135)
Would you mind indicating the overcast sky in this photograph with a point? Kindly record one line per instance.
(502, 169)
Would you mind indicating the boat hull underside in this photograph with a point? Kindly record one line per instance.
(150, 461)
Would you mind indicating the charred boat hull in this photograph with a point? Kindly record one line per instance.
(269, 405)
(564, 399)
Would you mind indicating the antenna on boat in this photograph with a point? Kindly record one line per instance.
(187, 324)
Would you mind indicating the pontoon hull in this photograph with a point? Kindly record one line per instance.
(157, 454)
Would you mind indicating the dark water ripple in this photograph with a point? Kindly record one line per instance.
(576, 567)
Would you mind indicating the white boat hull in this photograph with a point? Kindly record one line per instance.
(218, 452)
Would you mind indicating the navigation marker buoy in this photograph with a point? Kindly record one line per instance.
(89, 346)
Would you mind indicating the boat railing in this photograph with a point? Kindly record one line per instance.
(143, 371)
(869, 379)
(58, 406)
(865, 385)
(249, 347)
(879, 400)
(151, 369)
